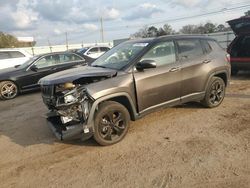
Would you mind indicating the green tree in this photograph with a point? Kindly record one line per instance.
(210, 27)
(189, 29)
(152, 31)
(9, 41)
(247, 13)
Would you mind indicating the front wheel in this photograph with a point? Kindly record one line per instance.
(8, 90)
(215, 93)
(111, 123)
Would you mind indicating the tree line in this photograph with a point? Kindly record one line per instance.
(10, 41)
(206, 28)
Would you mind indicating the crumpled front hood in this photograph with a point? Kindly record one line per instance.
(76, 73)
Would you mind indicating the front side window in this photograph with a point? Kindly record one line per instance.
(47, 61)
(162, 53)
(189, 48)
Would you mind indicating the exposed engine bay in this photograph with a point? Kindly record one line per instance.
(69, 103)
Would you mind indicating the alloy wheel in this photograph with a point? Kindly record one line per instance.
(216, 93)
(112, 125)
(8, 90)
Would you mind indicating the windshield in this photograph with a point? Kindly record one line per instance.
(120, 56)
(28, 62)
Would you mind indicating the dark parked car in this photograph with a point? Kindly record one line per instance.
(239, 49)
(132, 80)
(25, 77)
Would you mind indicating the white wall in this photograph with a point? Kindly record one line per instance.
(58, 48)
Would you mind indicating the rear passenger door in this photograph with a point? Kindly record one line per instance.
(68, 60)
(194, 61)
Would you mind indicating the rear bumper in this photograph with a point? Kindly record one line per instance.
(240, 65)
(71, 132)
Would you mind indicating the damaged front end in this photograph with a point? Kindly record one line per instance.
(69, 106)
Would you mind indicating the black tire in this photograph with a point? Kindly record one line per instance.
(234, 71)
(111, 123)
(8, 90)
(215, 93)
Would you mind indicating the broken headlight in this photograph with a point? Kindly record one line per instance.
(70, 99)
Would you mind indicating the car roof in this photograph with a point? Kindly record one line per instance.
(12, 49)
(166, 37)
(54, 53)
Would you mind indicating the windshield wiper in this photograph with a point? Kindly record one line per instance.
(99, 66)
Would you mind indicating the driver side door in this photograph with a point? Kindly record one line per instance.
(159, 86)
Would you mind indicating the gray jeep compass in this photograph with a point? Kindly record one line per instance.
(131, 80)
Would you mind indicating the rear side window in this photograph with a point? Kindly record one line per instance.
(104, 49)
(207, 48)
(16, 54)
(4, 55)
(64, 58)
(94, 50)
(189, 48)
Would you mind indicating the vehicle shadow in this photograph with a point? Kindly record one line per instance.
(191, 105)
(23, 122)
(242, 75)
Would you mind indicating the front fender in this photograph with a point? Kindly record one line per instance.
(109, 97)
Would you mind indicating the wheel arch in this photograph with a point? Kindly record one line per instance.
(10, 80)
(122, 98)
(221, 74)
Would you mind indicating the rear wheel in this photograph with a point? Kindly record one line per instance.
(111, 123)
(215, 93)
(8, 90)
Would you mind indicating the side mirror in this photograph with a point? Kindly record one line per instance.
(34, 68)
(146, 64)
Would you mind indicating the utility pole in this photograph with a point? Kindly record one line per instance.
(101, 30)
(50, 47)
(67, 44)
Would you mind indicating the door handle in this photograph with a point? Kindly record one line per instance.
(206, 61)
(175, 69)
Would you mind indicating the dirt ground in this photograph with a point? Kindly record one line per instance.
(185, 146)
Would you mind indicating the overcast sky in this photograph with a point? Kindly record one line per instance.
(50, 19)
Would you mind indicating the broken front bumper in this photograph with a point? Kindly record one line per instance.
(73, 131)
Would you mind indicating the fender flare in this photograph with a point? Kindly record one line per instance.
(107, 97)
(212, 75)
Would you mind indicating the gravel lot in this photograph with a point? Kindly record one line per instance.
(185, 146)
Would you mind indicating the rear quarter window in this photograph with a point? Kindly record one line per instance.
(206, 46)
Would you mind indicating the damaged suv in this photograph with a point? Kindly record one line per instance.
(131, 80)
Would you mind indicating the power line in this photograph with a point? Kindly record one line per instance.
(183, 18)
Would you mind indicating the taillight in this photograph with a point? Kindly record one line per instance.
(228, 58)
